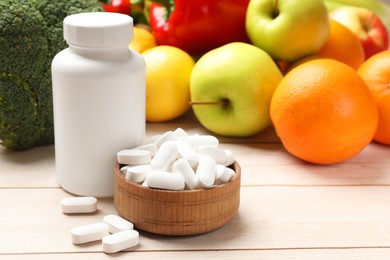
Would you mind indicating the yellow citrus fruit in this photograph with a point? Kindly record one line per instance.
(142, 40)
(168, 71)
(323, 112)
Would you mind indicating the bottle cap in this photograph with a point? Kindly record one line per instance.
(98, 29)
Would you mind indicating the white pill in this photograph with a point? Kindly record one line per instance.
(205, 173)
(120, 241)
(164, 157)
(89, 233)
(133, 156)
(117, 223)
(229, 157)
(165, 180)
(217, 154)
(167, 136)
(224, 174)
(151, 147)
(137, 173)
(180, 133)
(198, 141)
(186, 151)
(183, 167)
(79, 205)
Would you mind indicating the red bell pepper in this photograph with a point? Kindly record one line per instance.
(198, 26)
(117, 6)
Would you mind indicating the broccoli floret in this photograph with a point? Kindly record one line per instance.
(31, 34)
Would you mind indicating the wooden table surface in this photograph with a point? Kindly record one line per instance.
(289, 209)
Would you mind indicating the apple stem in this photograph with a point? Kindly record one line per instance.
(275, 12)
(207, 102)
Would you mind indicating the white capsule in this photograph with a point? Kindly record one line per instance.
(198, 141)
(137, 173)
(224, 174)
(229, 157)
(217, 154)
(151, 147)
(120, 241)
(79, 205)
(183, 167)
(133, 156)
(89, 233)
(205, 173)
(187, 152)
(117, 223)
(165, 180)
(167, 136)
(180, 133)
(164, 157)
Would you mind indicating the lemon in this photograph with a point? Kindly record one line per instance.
(142, 40)
(168, 71)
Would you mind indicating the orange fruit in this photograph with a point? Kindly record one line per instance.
(323, 112)
(375, 71)
(343, 45)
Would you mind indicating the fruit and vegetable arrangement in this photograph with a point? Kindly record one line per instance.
(317, 71)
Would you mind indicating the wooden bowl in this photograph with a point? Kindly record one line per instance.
(177, 213)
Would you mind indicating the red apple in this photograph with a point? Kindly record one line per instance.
(366, 25)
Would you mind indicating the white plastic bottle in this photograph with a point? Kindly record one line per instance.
(99, 101)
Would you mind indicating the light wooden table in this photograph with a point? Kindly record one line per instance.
(289, 209)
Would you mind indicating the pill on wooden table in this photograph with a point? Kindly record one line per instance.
(165, 156)
(224, 174)
(217, 154)
(137, 173)
(186, 151)
(79, 205)
(133, 156)
(229, 157)
(120, 241)
(205, 173)
(151, 147)
(165, 180)
(198, 141)
(117, 223)
(89, 233)
(183, 167)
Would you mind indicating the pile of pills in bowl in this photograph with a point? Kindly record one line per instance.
(176, 160)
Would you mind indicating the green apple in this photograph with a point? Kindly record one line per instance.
(288, 29)
(231, 89)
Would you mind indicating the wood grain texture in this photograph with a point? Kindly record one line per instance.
(289, 209)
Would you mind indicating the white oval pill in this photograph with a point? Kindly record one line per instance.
(205, 173)
(134, 156)
(186, 151)
(229, 157)
(167, 136)
(165, 156)
(180, 133)
(89, 233)
(217, 154)
(165, 180)
(198, 141)
(184, 168)
(151, 147)
(224, 174)
(120, 241)
(117, 223)
(137, 173)
(79, 205)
